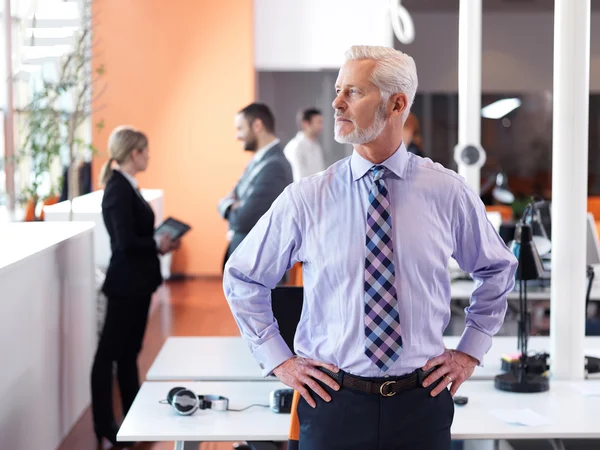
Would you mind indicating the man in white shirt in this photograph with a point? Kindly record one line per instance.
(304, 151)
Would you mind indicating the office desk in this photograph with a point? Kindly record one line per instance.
(462, 290)
(572, 415)
(47, 330)
(229, 359)
(502, 345)
(205, 359)
(88, 207)
(149, 420)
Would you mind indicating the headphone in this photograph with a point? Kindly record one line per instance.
(186, 402)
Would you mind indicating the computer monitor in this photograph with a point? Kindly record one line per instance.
(542, 220)
(592, 242)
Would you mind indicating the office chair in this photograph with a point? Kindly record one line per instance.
(286, 302)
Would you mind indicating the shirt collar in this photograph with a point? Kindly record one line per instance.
(129, 178)
(396, 163)
(260, 153)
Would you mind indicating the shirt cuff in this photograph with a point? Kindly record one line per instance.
(224, 206)
(474, 343)
(156, 239)
(271, 354)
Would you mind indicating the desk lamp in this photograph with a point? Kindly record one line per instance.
(498, 184)
(520, 379)
(501, 191)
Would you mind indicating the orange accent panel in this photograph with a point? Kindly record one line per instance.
(294, 423)
(593, 206)
(179, 71)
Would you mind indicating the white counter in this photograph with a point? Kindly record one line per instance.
(89, 208)
(47, 330)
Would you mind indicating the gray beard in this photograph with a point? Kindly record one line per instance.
(364, 135)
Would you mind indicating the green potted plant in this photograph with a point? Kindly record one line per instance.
(52, 127)
(40, 150)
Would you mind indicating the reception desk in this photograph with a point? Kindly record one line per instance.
(89, 208)
(47, 331)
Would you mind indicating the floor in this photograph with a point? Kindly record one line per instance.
(183, 308)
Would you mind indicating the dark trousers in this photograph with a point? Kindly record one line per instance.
(228, 253)
(410, 420)
(120, 342)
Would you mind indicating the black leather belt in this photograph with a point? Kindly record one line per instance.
(387, 387)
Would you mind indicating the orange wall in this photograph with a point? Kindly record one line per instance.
(179, 71)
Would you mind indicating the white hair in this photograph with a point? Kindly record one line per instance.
(395, 72)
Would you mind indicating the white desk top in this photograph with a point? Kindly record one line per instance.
(229, 359)
(148, 420)
(20, 240)
(571, 414)
(92, 202)
(462, 290)
(205, 359)
(502, 345)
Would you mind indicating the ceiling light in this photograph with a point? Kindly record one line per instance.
(500, 108)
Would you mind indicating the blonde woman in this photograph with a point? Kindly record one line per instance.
(133, 275)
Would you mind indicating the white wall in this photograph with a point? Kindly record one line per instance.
(313, 34)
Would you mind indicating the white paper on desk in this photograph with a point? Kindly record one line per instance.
(520, 416)
(589, 389)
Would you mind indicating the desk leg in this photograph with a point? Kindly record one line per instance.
(557, 444)
(187, 445)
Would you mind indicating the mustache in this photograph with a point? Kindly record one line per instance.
(341, 116)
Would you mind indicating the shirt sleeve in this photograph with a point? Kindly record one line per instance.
(255, 267)
(294, 152)
(480, 251)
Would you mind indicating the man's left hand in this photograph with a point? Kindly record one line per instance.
(454, 366)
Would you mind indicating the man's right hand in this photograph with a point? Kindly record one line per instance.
(301, 373)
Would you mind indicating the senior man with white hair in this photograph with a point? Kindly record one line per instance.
(374, 233)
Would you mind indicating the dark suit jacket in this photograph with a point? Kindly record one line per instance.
(134, 268)
(85, 181)
(260, 185)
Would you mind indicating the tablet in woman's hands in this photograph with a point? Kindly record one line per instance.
(173, 227)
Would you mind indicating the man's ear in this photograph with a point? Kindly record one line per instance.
(399, 103)
(257, 126)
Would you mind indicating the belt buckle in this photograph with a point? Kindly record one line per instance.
(388, 393)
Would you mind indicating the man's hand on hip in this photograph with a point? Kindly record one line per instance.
(454, 366)
(301, 373)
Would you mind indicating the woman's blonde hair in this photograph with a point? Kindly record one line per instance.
(121, 143)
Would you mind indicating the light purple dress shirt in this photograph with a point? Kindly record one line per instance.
(321, 221)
